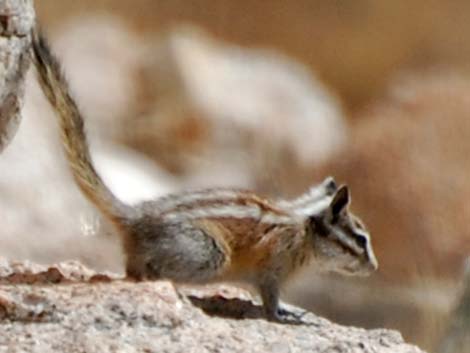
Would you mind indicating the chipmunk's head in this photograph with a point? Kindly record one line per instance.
(340, 241)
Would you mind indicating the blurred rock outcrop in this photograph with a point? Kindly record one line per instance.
(253, 112)
(16, 21)
(209, 112)
(101, 56)
(356, 46)
(407, 164)
(43, 216)
(96, 314)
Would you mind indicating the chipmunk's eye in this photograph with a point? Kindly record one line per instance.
(361, 240)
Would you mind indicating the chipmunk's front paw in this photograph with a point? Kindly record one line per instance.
(285, 316)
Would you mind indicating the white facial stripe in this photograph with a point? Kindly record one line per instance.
(370, 252)
(348, 241)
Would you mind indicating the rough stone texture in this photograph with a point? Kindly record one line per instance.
(16, 21)
(68, 308)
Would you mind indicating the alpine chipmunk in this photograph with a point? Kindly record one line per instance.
(215, 234)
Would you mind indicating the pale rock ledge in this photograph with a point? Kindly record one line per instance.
(69, 308)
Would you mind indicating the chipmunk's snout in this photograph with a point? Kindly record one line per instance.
(361, 269)
(360, 264)
(373, 264)
(368, 265)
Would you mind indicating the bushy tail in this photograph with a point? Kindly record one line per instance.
(55, 87)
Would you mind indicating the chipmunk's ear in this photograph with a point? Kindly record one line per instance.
(340, 200)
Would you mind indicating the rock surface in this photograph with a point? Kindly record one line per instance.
(16, 21)
(68, 308)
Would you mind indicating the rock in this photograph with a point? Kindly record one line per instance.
(173, 100)
(43, 215)
(213, 106)
(407, 166)
(357, 47)
(100, 56)
(21, 272)
(121, 316)
(16, 21)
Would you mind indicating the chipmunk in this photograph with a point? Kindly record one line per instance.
(217, 234)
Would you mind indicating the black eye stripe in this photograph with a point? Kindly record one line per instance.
(357, 243)
(335, 218)
(361, 240)
(320, 228)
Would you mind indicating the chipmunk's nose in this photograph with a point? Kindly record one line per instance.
(371, 260)
(372, 264)
(369, 265)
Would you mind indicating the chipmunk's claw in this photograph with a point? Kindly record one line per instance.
(285, 316)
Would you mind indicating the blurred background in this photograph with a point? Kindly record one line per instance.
(272, 96)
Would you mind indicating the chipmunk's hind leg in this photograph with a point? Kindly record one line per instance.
(184, 253)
